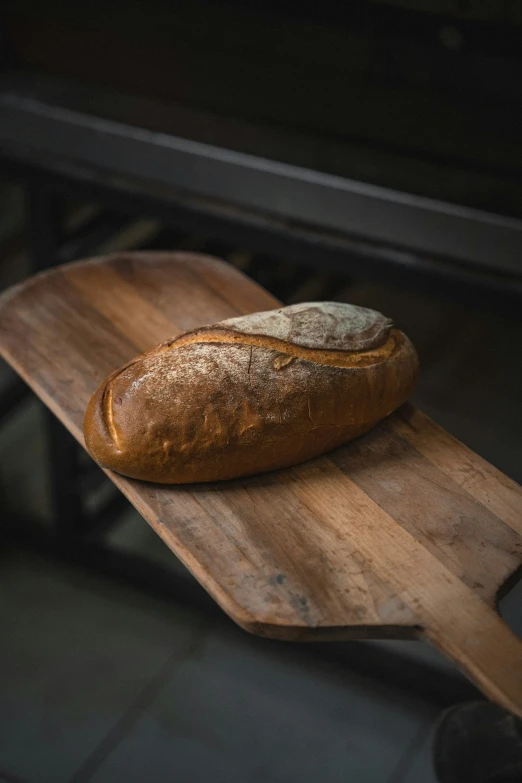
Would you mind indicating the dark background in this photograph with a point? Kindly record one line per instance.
(114, 665)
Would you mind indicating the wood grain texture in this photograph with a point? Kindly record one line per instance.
(404, 532)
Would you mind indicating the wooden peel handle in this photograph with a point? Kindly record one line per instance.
(486, 650)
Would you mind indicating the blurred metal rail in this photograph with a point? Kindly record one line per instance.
(43, 126)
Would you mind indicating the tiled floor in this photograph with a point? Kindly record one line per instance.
(76, 655)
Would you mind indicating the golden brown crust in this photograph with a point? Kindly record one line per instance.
(217, 403)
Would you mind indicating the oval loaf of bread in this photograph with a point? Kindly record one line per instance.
(251, 394)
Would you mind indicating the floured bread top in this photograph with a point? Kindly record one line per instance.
(317, 325)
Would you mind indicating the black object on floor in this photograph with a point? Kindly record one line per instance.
(478, 742)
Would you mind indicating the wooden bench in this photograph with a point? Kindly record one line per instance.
(403, 533)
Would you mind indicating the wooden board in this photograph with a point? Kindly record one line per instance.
(403, 533)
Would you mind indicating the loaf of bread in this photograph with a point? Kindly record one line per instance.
(251, 394)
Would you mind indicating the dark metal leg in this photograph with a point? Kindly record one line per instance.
(479, 742)
(44, 237)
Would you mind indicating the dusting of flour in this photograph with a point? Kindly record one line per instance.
(318, 325)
